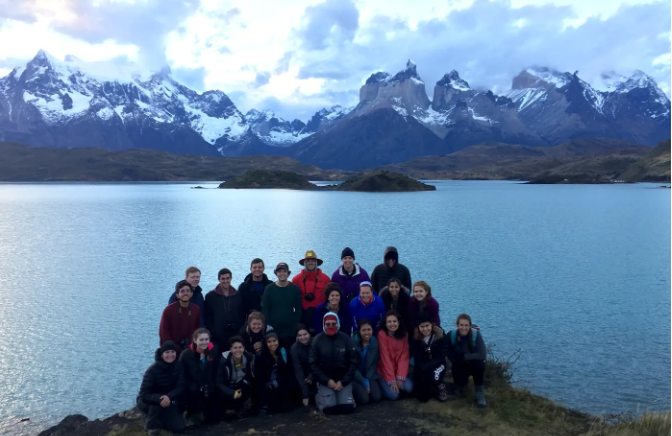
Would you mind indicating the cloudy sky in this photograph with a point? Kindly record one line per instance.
(296, 56)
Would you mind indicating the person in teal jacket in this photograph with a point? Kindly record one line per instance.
(282, 306)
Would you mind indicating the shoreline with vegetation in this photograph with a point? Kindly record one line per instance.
(512, 411)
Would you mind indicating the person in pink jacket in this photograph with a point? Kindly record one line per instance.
(394, 357)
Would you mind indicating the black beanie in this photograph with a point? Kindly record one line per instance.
(347, 251)
(424, 317)
(181, 284)
(168, 346)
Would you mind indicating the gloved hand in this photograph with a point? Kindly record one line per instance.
(271, 385)
(367, 385)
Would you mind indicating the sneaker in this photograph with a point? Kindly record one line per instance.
(480, 397)
(443, 395)
(154, 432)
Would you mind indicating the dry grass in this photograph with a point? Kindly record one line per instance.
(649, 424)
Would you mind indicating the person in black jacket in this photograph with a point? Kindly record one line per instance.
(199, 366)
(234, 377)
(300, 352)
(333, 362)
(252, 288)
(428, 349)
(160, 390)
(396, 296)
(275, 379)
(223, 310)
(254, 331)
(388, 269)
(467, 353)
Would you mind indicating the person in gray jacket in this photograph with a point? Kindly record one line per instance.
(365, 388)
(467, 353)
(300, 352)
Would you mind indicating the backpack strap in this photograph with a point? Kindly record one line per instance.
(453, 336)
(474, 335)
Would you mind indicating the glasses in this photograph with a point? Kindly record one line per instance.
(185, 291)
(330, 324)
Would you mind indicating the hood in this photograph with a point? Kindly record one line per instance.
(227, 354)
(232, 290)
(391, 253)
(338, 320)
(248, 278)
(248, 332)
(341, 270)
(197, 290)
(404, 290)
(436, 330)
(158, 360)
(358, 340)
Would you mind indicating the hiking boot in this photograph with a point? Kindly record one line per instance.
(462, 389)
(480, 397)
(443, 395)
(154, 432)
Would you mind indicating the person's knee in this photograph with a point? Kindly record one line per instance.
(346, 408)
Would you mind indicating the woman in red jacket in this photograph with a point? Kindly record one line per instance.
(394, 357)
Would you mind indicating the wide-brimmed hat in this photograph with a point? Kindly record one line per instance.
(310, 254)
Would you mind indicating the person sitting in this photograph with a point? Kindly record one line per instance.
(396, 296)
(394, 357)
(422, 301)
(428, 349)
(300, 352)
(349, 276)
(199, 366)
(333, 302)
(160, 390)
(365, 387)
(333, 363)
(467, 354)
(234, 377)
(275, 379)
(367, 306)
(180, 319)
(254, 331)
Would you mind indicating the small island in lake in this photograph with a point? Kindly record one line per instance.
(268, 179)
(379, 181)
(384, 181)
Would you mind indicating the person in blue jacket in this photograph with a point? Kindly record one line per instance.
(367, 306)
(336, 303)
(193, 276)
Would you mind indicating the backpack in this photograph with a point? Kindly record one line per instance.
(474, 335)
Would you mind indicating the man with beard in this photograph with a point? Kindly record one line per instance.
(388, 269)
(311, 281)
(193, 276)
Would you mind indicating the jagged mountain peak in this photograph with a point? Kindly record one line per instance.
(377, 77)
(410, 72)
(453, 80)
(540, 77)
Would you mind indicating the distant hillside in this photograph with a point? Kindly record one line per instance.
(20, 163)
(497, 161)
(268, 179)
(383, 181)
(655, 167)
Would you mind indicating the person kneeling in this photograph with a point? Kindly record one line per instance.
(466, 351)
(366, 387)
(333, 362)
(199, 367)
(161, 387)
(275, 379)
(234, 378)
(428, 350)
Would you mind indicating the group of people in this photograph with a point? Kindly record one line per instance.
(269, 346)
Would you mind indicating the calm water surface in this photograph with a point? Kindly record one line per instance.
(577, 277)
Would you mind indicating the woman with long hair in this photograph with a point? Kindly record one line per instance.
(394, 356)
(422, 301)
(275, 378)
(396, 296)
(300, 352)
(199, 366)
(428, 350)
(365, 386)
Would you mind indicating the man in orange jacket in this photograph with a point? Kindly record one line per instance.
(311, 280)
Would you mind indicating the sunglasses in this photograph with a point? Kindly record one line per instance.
(330, 324)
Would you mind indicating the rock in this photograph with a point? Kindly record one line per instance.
(267, 179)
(383, 181)
(69, 425)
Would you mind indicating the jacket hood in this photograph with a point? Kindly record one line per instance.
(248, 278)
(338, 320)
(436, 330)
(341, 271)
(404, 289)
(227, 355)
(391, 253)
(232, 290)
(268, 329)
(158, 360)
(358, 340)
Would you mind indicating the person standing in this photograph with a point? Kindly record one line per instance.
(367, 306)
(311, 281)
(193, 276)
(333, 302)
(282, 306)
(388, 269)
(160, 390)
(252, 288)
(422, 301)
(223, 310)
(180, 319)
(333, 363)
(349, 275)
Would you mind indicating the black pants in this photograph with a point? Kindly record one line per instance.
(235, 404)
(308, 317)
(195, 402)
(462, 370)
(281, 399)
(426, 381)
(166, 418)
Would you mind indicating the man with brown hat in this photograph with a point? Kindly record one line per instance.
(311, 280)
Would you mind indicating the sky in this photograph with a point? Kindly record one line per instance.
(297, 56)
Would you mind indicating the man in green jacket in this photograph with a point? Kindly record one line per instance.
(281, 306)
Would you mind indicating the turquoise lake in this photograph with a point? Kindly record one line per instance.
(575, 277)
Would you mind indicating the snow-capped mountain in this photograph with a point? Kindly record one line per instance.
(274, 130)
(71, 103)
(560, 106)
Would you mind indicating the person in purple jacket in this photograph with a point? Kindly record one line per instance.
(349, 275)
(422, 301)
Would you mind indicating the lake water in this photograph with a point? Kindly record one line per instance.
(577, 277)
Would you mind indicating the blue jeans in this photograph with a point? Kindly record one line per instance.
(390, 394)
